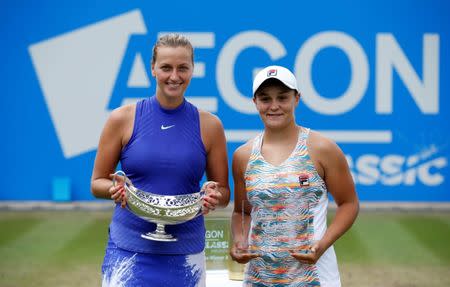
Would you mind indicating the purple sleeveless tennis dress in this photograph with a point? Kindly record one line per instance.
(165, 155)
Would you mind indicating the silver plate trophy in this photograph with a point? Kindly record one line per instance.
(161, 209)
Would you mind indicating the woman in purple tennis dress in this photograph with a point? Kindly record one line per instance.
(164, 145)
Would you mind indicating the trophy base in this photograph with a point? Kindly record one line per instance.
(236, 276)
(235, 270)
(159, 237)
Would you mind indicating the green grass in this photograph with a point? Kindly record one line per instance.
(52, 248)
(401, 239)
(63, 248)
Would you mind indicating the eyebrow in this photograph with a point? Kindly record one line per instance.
(281, 92)
(166, 63)
(260, 94)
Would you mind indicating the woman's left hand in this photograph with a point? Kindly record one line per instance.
(311, 257)
(212, 196)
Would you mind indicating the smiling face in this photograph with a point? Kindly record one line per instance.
(276, 104)
(172, 68)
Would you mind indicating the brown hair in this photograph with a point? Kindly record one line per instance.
(172, 40)
(273, 82)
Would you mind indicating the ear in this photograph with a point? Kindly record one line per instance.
(297, 98)
(254, 100)
(153, 70)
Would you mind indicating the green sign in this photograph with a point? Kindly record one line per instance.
(217, 243)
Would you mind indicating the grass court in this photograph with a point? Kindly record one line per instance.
(65, 248)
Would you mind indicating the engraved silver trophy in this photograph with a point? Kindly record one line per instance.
(161, 209)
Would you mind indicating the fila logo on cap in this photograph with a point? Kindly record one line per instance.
(272, 73)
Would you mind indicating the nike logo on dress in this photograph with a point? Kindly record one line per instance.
(166, 127)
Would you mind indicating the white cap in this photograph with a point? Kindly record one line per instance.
(276, 72)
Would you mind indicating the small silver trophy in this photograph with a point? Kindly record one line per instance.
(161, 209)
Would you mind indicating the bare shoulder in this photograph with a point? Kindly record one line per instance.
(210, 125)
(241, 157)
(326, 154)
(121, 116)
(320, 144)
(212, 132)
(120, 123)
(209, 121)
(243, 152)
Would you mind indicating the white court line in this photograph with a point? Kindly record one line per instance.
(340, 136)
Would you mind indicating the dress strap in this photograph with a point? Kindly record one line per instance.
(256, 147)
(304, 134)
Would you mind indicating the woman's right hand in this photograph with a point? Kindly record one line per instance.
(117, 190)
(239, 252)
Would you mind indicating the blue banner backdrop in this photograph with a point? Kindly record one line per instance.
(374, 77)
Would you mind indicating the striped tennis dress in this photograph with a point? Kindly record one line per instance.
(289, 208)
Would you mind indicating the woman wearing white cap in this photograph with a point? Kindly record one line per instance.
(282, 179)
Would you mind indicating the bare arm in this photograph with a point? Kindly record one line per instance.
(115, 134)
(213, 137)
(240, 218)
(336, 174)
(340, 184)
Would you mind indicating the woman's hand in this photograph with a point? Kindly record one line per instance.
(240, 253)
(117, 190)
(311, 256)
(212, 196)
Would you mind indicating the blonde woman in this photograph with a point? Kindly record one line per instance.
(164, 145)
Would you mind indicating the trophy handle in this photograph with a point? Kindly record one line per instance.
(205, 184)
(200, 200)
(127, 181)
(202, 194)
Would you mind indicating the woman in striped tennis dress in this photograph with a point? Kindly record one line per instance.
(282, 179)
